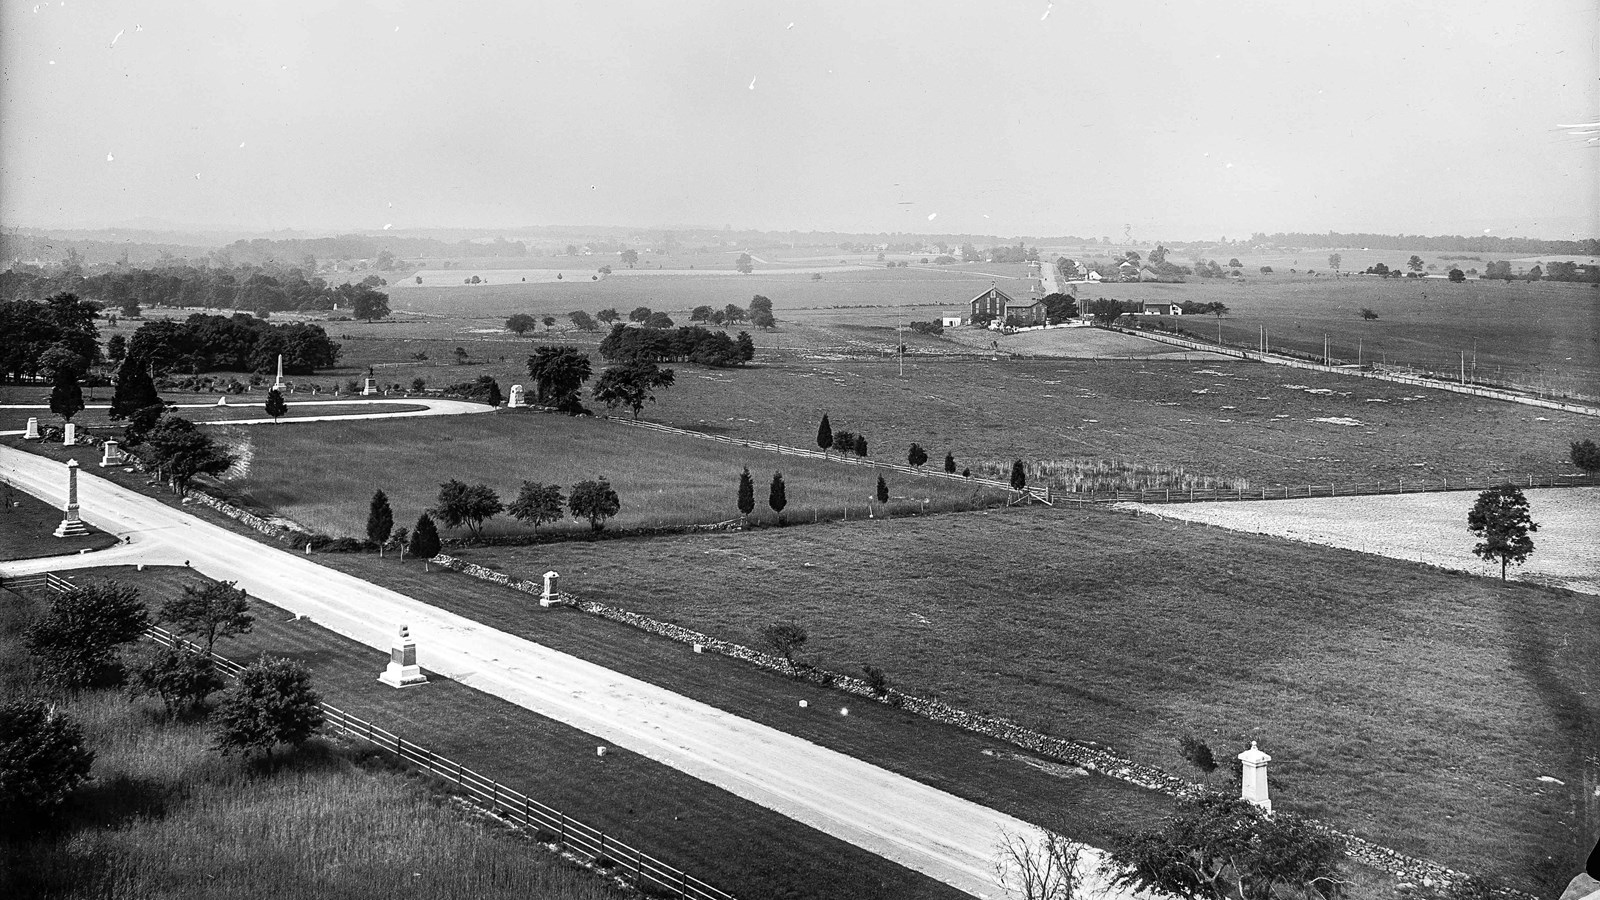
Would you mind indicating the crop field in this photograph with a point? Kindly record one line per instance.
(1428, 528)
(1409, 705)
(323, 477)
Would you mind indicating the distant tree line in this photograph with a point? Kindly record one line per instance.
(236, 343)
(52, 337)
(1450, 242)
(249, 288)
(688, 343)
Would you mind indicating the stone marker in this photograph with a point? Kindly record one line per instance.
(600, 750)
(402, 670)
(71, 525)
(550, 595)
(1253, 784)
(699, 647)
(70, 436)
(223, 400)
(32, 434)
(516, 396)
(370, 388)
(844, 710)
(804, 704)
(111, 454)
(278, 384)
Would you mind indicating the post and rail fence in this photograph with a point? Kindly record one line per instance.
(548, 824)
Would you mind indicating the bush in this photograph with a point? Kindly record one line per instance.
(272, 703)
(1198, 753)
(876, 680)
(78, 642)
(42, 761)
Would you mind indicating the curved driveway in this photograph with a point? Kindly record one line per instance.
(933, 832)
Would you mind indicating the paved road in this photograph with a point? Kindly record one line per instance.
(933, 832)
(432, 406)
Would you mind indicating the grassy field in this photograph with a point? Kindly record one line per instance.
(27, 527)
(1408, 705)
(323, 477)
(163, 815)
(729, 842)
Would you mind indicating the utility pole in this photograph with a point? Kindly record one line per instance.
(1261, 340)
(900, 332)
(1359, 342)
(1463, 367)
(1327, 360)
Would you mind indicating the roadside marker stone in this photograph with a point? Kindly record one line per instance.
(402, 670)
(1253, 786)
(32, 434)
(551, 594)
(70, 438)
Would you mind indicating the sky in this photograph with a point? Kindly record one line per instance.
(1182, 120)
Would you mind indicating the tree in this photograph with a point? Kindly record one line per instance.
(734, 314)
(917, 456)
(1414, 263)
(1586, 456)
(1457, 276)
(558, 375)
(824, 434)
(366, 303)
(116, 348)
(380, 520)
(860, 445)
(520, 323)
(701, 313)
(276, 405)
(424, 539)
(66, 395)
(179, 675)
(1225, 848)
(181, 451)
(594, 500)
(1501, 520)
(537, 504)
(135, 389)
(658, 320)
(747, 493)
(1019, 476)
(549, 323)
(582, 320)
(777, 496)
(630, 258)
(1234, 262)
(607, 315)
(844, 441)
(1105, 311)
(1334, 260)
(219, 609)
(461, 356)
(746, 345)
(471, 505)
(1266, 270)
(745, 264)
(1368, 314)
(882, 490)
(272, 703)
(1043, 867)
(43, 759)
(785, 638)
(949, 463)
(761, 312)
(77, 642)
(640, 314)
(632, 384)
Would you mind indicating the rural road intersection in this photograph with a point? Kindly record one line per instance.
(920, 827)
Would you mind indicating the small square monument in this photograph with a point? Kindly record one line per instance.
(403, 670)
(517, 397)
(32, 434)
(111, 454)
(70, 436)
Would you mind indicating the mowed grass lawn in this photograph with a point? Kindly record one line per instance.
(1408, 705)
(323, 476)
(27, 529)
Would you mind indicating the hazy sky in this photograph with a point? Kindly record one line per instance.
(1180, 120)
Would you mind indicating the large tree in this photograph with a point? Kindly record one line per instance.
(1585, 455)
(778, 495)
(180, 451)
(744, 264)
(271, 703)
(594, 500)
(135, 389)
(824, 434)
(558, 375)
(916, 455)
(218, 609)
(424, 543)
(1019, 475)
(761, 312)
(181, 676)
(537, 504)
(380, 520)
(77, 643)
(43, 759)
(1501, 521)
(632, 384)
(471, 505)
(747, 493)
(520, 323)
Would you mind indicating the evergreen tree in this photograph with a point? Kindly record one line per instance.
(747, 347)
(66, 396)
(380, 521)
(861, 445)
(276, 405)
(1019, 476)
(916, 455)
(424, 540)
(824, 434)
(883, 490)
(747, 493)
(777, 497)
(135, 389)
(950, 463)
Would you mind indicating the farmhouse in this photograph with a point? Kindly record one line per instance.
(1151, 308)
(948, 321)
(997, 305)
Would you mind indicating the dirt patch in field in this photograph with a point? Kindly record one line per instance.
(1428, 528)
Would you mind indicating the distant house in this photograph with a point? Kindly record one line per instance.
(998, 305)
(1161, 309)
(948, 321)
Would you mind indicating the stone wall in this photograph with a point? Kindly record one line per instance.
(235, 513)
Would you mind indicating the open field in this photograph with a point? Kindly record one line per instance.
(27, 525)
(240, 406)
(1352, 670)
(1428, 528)
(323, 477)
(703, 830)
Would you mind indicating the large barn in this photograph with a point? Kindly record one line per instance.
(997, 305)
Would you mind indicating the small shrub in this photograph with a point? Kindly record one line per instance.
(1198, 753)
(876, 680)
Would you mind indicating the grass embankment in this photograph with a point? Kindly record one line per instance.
(1405, 704)
(323, 477)
(163, 815)
(731, 843)
(27, 529)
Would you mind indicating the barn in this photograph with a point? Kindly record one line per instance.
(995, 304)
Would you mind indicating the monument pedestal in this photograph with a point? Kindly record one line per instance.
(403, 670)
(71, 525)
(370, 387)
(32, 434)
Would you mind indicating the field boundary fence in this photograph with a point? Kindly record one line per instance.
(1378, 372)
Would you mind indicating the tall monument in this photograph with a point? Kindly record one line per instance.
(71, 525)
(279, 385)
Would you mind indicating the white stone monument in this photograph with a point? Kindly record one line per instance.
(32, 434)
(369, 387)
(551, 595)
(223, 400)
(71, 525)
(278, 384)
(402, 670)
(111, 454)
(516, 397)
(69, 435)
(1253, 784)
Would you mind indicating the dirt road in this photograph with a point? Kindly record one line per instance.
(432, 406)
(933, 832)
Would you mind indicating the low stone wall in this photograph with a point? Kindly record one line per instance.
(235, 513)
(1406, 868)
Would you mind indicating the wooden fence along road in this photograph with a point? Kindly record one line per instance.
(549, 825)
